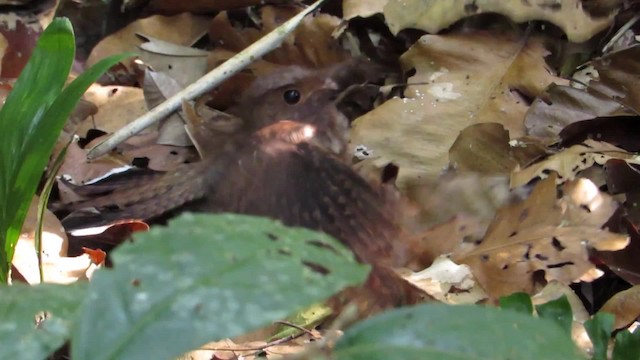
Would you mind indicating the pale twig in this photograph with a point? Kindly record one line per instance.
(212, 79)
(620, 33)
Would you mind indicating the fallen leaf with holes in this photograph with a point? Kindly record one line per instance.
(57, 267)
(444, 238)
(117, 106)
(625, 305)
(569, 162)
(542, 234)
(182, 63)
(433, 16)
(471, 78)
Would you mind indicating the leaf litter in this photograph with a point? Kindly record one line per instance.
(485, 185)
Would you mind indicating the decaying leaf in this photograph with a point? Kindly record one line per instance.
(184, 29)
(625, 305)
(433, 16)
(563, 105)
(444, 238)
(542, 235)
(447, 282)
(117, 106)
(553, 291)
(569, 162)
(625, 262)
(57, 267)
(471, 78)
(617, 74)
(483, 148)
(311, 45)
(182, 63)
(157, 88)
(611, 90)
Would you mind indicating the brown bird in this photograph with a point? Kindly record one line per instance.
(284, 162)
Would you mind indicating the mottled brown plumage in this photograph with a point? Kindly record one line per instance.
(286, 162)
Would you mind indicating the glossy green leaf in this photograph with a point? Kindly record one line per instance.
(519, 302)
(446, 332)
(21, 305)
(599, 329)
(206, 277)
(627, 346)
(559, 311)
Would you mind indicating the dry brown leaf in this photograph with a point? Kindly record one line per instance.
(117, 106)
(625, 262)
(18, 36)
(76, 168)
(472, 78)
(483, 148)
(182, 63)
(362, 8)
(433, 16)
(311, 45)
(57, 267)
(554, 290)
(471, 197)
(625, 305)
(184, 29)
(206, 6)
(543, 234)
(563, 105)
(612, 85)
(444, 238)
(569, 162)
(618, 76)
(447, 282)
(157, 88)
(238, 349)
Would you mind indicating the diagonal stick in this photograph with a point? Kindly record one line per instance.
(212, 79)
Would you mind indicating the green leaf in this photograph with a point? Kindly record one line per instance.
(627, 346)
(21, 304)
(599, 329)
(519, 302)
(25, 139)
(446, 332)
(559, 311)
(206, 277)
(33, 116)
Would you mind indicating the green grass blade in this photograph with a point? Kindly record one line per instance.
(32, 118)
(24, 141)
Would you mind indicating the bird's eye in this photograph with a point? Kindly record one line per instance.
(291, 97)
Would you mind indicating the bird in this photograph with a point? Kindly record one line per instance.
(286, 161)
